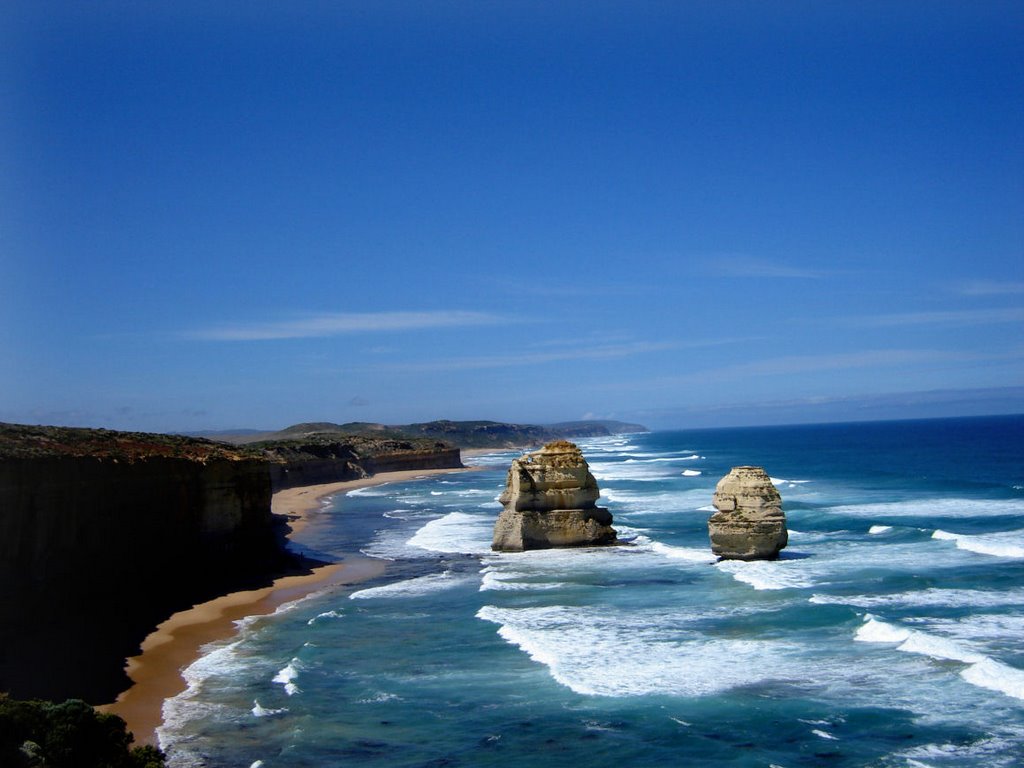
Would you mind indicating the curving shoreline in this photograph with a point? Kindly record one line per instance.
(178, 642)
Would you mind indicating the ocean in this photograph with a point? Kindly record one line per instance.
(889, 633)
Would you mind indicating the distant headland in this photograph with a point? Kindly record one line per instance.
(463, 434)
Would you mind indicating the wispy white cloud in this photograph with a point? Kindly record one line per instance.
(752, 266)
(534, 358)
(342, 323)
(942, 317)
(990, 288)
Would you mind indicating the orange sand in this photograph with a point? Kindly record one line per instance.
(177, 642)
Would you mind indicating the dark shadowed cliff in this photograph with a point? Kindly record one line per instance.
(105, 534)
(330, 457)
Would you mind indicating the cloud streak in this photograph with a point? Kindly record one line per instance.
(345, 323)
(599, 352)
(991, 288)
(947, 317)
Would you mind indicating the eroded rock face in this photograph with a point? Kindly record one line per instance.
(748, 523)
(550, 500)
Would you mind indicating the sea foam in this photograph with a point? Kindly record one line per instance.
(287, 677)
(456, 532)
(641, 652)
(932, 508)
(776, 574)
(1007, 544)
(981, 670)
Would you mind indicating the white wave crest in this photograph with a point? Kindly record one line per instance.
(935, 596)
(690, 554)
(287, 677)
(640, 652)
(421, 585)
(1007, 544)
(692, 473)
(260, 711)
(764, 574)
(981, 670)
(325, 615)
(513, 581)
(874, 530)
(456, 532)
(931, 508)
(368, 491)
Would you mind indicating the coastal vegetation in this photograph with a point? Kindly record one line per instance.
(463, 434)
(42, 734)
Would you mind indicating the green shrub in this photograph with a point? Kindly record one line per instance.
(41, 734)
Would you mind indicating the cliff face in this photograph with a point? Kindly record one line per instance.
(102, 538)
(550, 500)
(105, 534)
(330, 458)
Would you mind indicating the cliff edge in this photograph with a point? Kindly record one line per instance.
(104, 534)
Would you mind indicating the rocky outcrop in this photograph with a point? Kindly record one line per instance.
(550, 500)
(748, 523)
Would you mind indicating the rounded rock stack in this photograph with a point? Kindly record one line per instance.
(550, 500)
(748, 523)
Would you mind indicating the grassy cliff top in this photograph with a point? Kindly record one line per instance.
(464, 434)
(21, 441)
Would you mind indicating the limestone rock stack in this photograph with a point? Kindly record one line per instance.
(748, 523)
(550, 500)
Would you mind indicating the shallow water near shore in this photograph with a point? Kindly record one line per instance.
(888, 634)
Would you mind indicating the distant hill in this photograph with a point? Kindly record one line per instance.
(463, 434)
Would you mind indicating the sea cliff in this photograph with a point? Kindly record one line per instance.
(104, 534)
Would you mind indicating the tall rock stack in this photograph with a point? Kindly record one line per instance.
(749, 523)
(550, 500)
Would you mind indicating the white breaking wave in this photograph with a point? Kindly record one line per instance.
(422, 585)
(512, 581)
(765, 574)
(288, 676)
(690, 554)
(1008, 544)
(953, 598)
(369, 491)
(454, 533)
(261, 711)
(602, 652)
(948, 507)
(325, 615)
(691, 473)
(981, 670)
(874, 530)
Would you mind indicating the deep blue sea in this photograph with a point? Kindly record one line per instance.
(890, 633)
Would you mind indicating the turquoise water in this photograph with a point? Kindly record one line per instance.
(891, 632)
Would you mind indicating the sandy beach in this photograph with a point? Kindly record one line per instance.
(177, 642)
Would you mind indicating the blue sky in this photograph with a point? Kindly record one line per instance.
(680, 213)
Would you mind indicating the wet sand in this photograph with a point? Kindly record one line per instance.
(177, 642)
